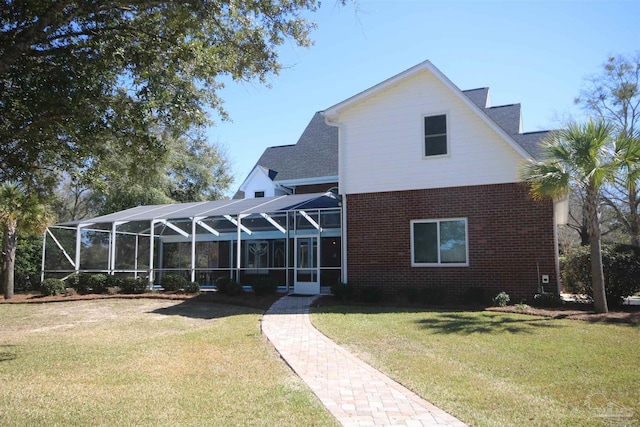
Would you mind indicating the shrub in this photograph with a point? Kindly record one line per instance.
(80, 282)
(192, 288)
(130, 285)
(474, 295)
(621, 265)
(222, 284)
(113, 290)
(427, 295)
(234, 288)
(502, 299)
(547, 299)
(265, 286)
(341, 291)
(52, 287)
(370, 294)
(173, 282)
(98, 283)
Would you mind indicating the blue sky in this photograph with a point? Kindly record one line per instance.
(536, 53)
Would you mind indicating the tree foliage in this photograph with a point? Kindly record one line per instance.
(614, 95)
(580, 156)
(19, 213)
(81, 80)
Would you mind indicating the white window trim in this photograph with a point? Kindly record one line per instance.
(440, 264)
(423, 146)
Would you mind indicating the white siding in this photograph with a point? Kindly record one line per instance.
(382, 142)
(258, 181)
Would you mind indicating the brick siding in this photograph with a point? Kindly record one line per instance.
(509, 236)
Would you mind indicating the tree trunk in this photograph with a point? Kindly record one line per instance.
(597, 273)
(634, 217)
(9, 258)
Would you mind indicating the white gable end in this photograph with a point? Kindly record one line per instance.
(258, 182)
(382, 140)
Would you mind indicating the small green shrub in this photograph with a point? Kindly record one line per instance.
(547, 299)
(234, 288)
(53, 287)
(173, 282)
(502, 299)
(222, 284)
(265, 286)
(192, 288)
(130, 285)
(370, 294)
(621, 265)
(98, 283)
(341, 291)
(80, 282)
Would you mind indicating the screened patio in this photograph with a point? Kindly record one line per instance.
(294, 239)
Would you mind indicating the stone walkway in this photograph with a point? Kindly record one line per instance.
(354, 392)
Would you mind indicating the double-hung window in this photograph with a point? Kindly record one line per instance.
(440, 242)
(435, 135)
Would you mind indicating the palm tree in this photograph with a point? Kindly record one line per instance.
(628, 156)
(581, 156)
(19, 212)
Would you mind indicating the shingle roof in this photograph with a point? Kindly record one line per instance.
(478, 96)
(315, 154)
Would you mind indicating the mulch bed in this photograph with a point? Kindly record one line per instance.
(627, 314)
(248, 299)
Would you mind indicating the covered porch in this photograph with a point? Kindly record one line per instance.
(293, 239)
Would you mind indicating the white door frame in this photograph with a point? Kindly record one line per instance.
(307, 287)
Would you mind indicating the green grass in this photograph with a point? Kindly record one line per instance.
(145, 362)
(498, 369)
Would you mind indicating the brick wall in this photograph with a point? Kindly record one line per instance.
(315, 188)
(509, 235)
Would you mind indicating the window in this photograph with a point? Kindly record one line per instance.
(435, 135)
(439, 243)
(258, 194)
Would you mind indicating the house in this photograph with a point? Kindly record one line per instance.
(409, 184)
(428, 176)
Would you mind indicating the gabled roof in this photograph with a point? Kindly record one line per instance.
(479, 96)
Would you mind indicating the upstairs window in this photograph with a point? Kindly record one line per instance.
(258, 194)
(435, 135)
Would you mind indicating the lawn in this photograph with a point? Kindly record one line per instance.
(145, 362)
(500, 369)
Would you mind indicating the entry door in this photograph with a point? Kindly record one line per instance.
(307, 274)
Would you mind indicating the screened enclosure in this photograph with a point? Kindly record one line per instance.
(294, 239)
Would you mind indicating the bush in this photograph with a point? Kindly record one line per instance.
(621, 265)
(173, 282)
(341, 291)
(234, 288)
(192, 288)
(114, 290)
(427, 295)
(222, 284)
(547, 299)
(53, 287)
(80, 282)
(265, 286)
(502, 299)
(370, 294)
(98, 283)
(130, 285)
(474, 295)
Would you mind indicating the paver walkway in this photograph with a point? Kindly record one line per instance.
(354, 392)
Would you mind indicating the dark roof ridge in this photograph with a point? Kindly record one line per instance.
(477, 88)
(504, 106)
(538, 131)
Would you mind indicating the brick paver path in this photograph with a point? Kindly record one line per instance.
(354, 392)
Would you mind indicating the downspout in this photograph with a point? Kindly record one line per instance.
(333, 121)
(560, 216)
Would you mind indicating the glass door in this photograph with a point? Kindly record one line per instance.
(307, 274)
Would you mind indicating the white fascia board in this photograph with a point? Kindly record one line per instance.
(332, 113)
(308, 181)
